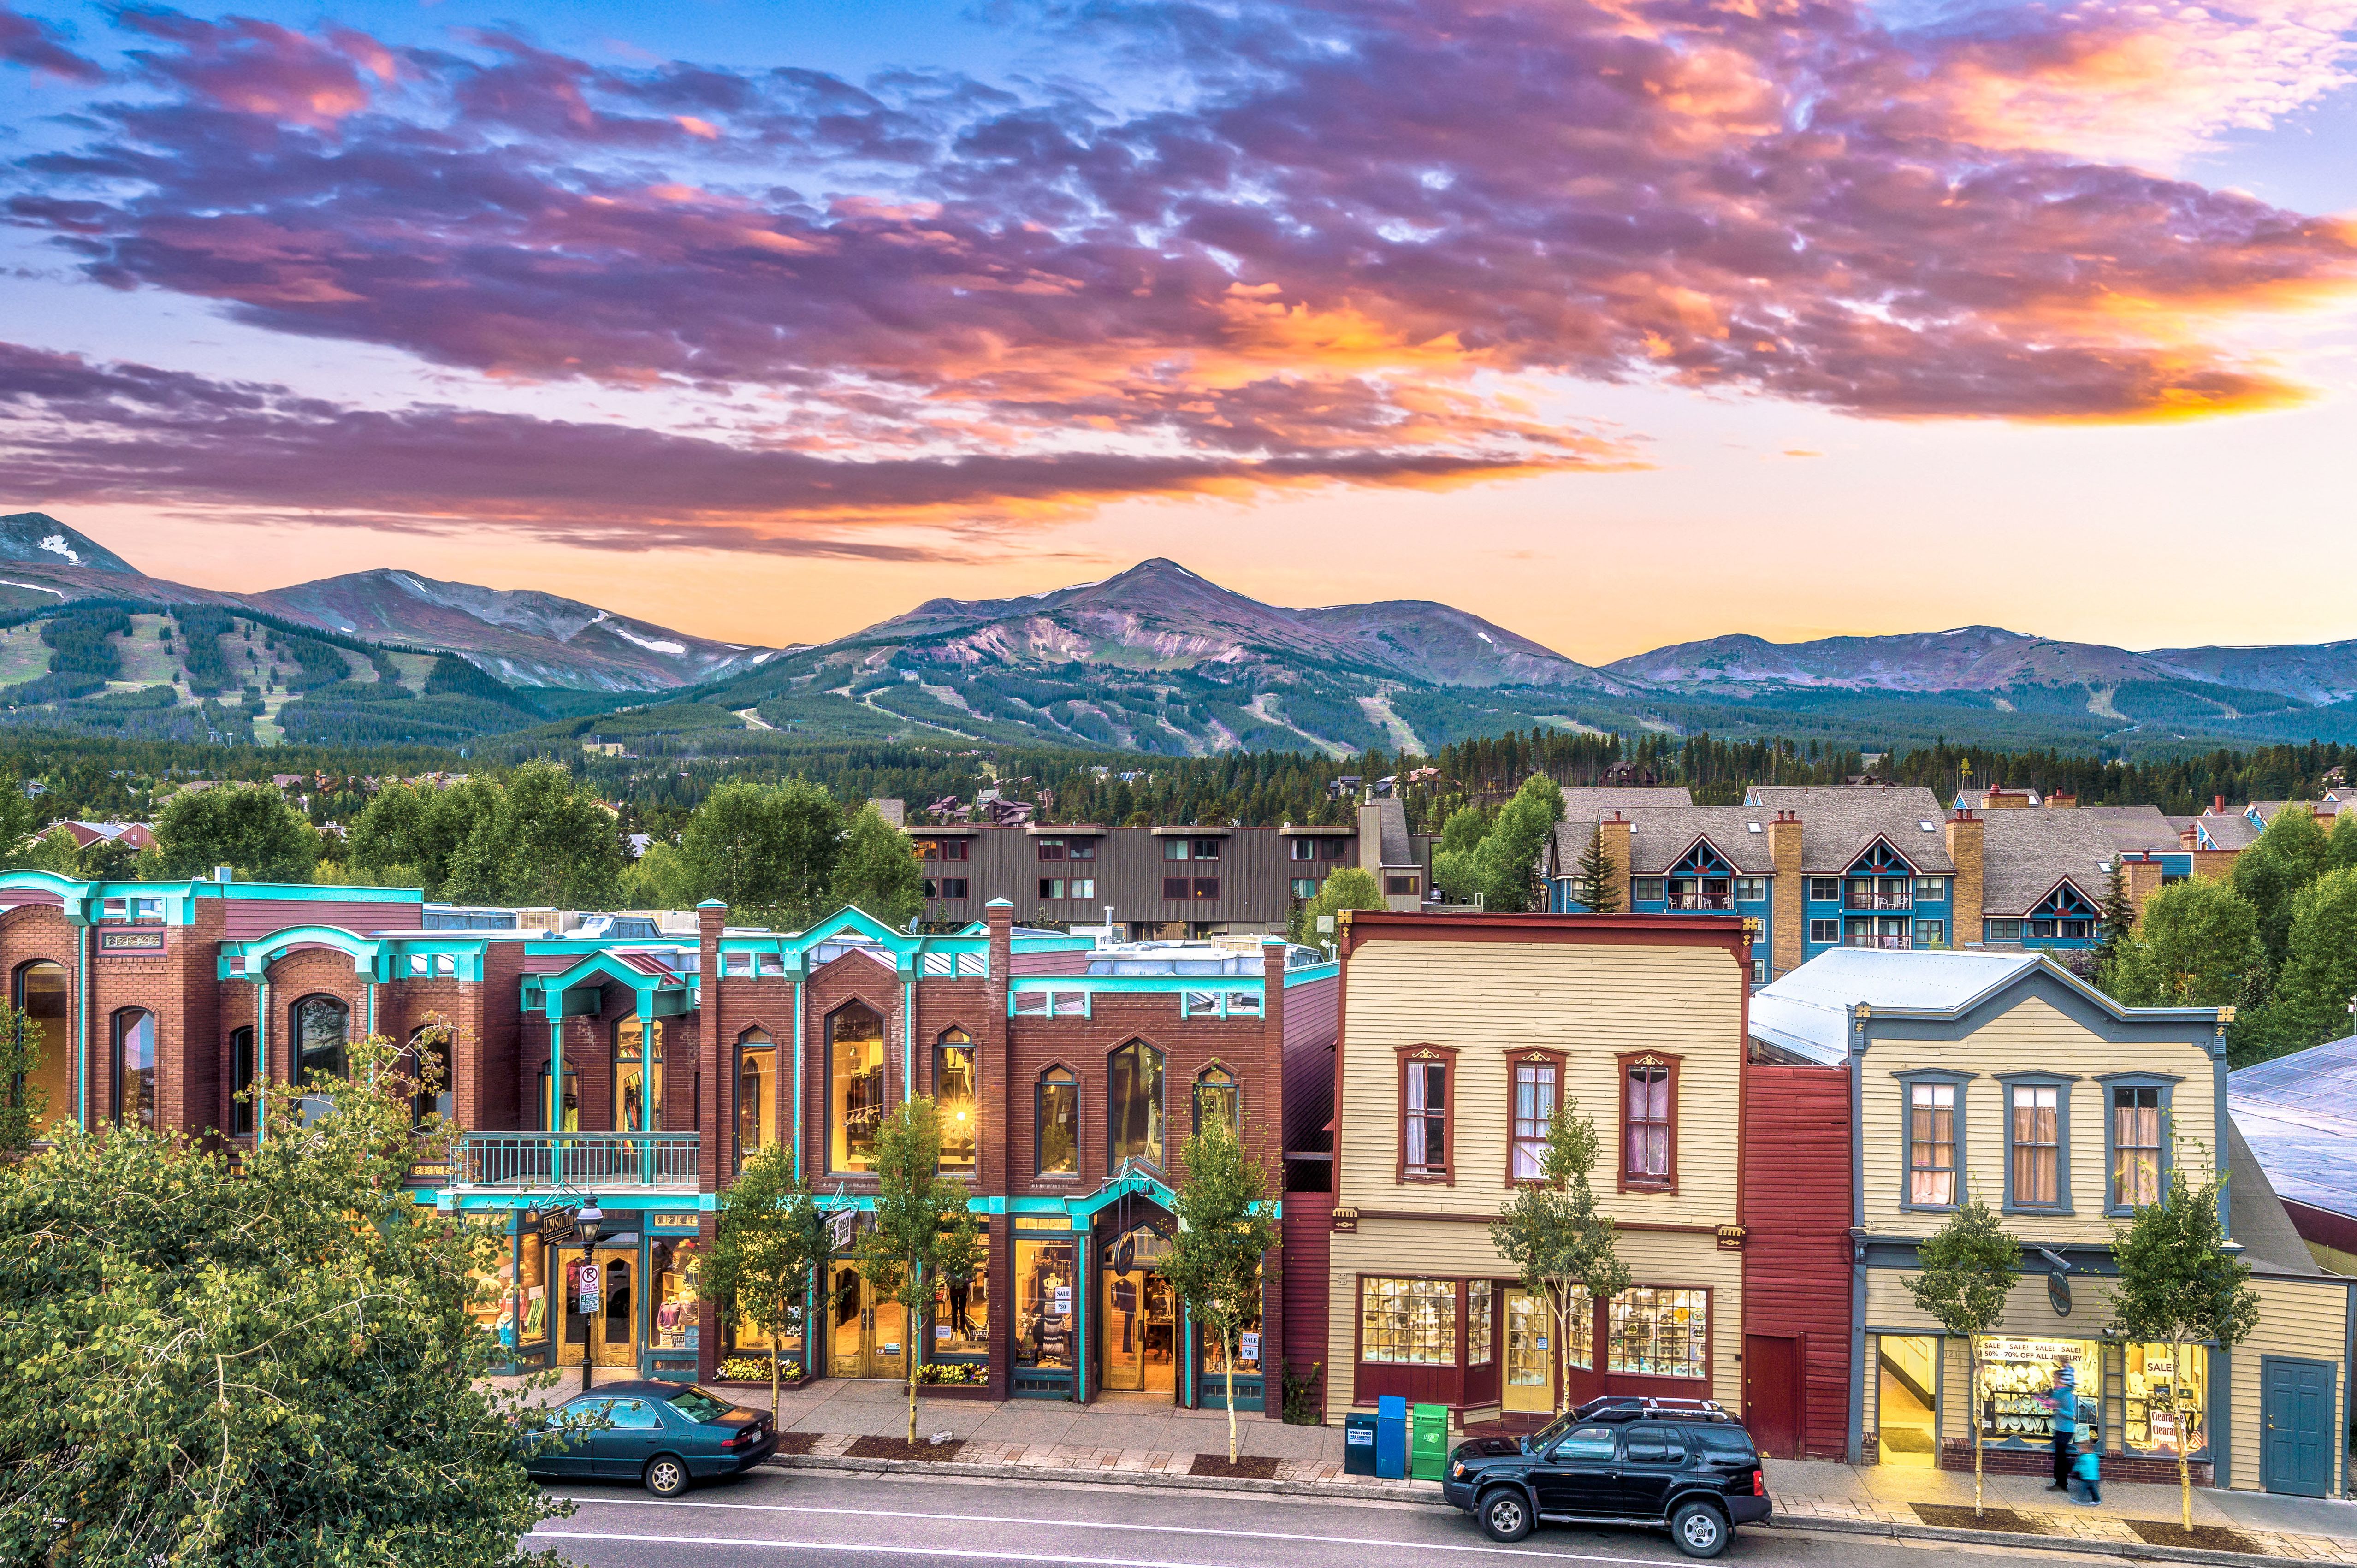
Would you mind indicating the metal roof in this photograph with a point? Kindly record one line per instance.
(2299, 1115)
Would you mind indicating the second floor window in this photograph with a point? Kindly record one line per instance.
(2136, 1145)
(1423, 1119)
(1648, 1135)
(954, 1101)
(323, 1032)
(2036, 1145)
(855, 1089)
(757, 1093)
(1056, 1136)
(1535, 1086)
(1219, 1098)
(638, 1075)
(1932, 1144)
(1133, 1105)
(241, 1107)
(134, 1068)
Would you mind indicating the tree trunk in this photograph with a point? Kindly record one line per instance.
(1563, 1352)
(1229, 1345)
(2184, 1465)
(1971, 1416)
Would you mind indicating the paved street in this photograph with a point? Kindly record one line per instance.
(892, 1521)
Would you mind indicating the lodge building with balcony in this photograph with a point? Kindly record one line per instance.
(633, 1062)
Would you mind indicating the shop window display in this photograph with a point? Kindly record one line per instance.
(41, 999)
(2017, 1375)
(638, 1075)
(1215, 1355)
(1659, 1333)
(676, 1269)
(1410, 1322)
(855, 1087)
(2157, 1416)
(1477, 1323)
(512, 1302)
(1046, 1277)
(961, 1313)
(953, 1095)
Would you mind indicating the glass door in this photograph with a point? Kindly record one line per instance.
(1125, 1336)
(871, 1337)
(1529, 1357)
(614, 1324)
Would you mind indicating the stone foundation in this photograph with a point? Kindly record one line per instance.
(2157, 1470)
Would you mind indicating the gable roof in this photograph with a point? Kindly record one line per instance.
(2299, 1115)
(1919, 983)
(2135, 828)
(2229, 832)
(1593, 800)
(2025, 853)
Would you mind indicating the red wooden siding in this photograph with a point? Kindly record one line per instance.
(1796, 1213)
(1305, 1263)
(247, 918)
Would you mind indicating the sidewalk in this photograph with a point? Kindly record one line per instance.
(1143, 1440)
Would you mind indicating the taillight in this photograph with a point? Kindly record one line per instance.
(1759, 1483)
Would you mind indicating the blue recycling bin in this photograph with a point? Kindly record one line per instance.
(1358, 1443)
(1391, 1438)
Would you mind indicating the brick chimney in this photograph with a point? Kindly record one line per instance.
(2062, 802)
(1787, 913)
(2142, 874)
(1963, 836)
(1616, 830)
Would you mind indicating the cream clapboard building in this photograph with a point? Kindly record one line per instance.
(1460, 1038)
(2004, 1075)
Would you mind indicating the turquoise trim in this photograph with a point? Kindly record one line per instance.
(542, 1197)
(547, 995)
(250, 959)
(1309, 971)
(1053, 944)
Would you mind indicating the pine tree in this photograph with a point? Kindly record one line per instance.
(2118, 921)
(1598, 879)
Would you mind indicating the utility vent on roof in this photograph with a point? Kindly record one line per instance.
(1929, 827)
(1752, 826)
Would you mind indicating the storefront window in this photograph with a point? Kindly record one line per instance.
(1058, 1114)
(1133, 1105)
(1659, 1333)
(134, 1068)
(2015, 1377)
(511, 1301)
(855, 1087)
(1215, 1355)
(953, 1099)
(676, 1268)
(1412, 1322)
(638, 1075)
(747, 1339)
(570, 1118)
(323, 1029)
(757, 1093)
(960, 1321)
(41, 1003)
(1477, 1323)
(1046, 1276)
(241, 1109)
(2163, 1412)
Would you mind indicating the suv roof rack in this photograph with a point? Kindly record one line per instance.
(1635, 1407)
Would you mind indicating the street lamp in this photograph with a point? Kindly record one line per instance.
(587, 1222)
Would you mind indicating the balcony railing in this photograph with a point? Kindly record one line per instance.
(1862, 941)
(1698, 901)
(516, 1161)
(1876, 901)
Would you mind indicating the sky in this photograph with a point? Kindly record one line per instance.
(1619, 322)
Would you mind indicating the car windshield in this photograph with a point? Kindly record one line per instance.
(699, 1406)
(1537, 1442)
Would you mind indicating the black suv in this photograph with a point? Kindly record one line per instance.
(1683, 1463)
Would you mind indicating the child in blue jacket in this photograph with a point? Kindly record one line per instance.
(2087, 1469)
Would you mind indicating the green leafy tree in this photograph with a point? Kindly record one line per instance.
(271, 1365)
(768, 1239)
(2342, 849)
(1552, 1232)
(2289, 855)
(24, 1104)
(2197, 946)
(1598, 878)
(924, 1231)
(1506, 864)
(548, 840)
(1455, 870)
(1970, 1265)
(1225, 1231)
(768, 852)
(19, 818)
(1348, 888)
(2310, 1003)
(877, 871)
(254, 829)
(2179, 1287)
(408, 833)
(657, 880)
(56, 850)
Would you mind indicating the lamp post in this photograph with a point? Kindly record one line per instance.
(587, 1222)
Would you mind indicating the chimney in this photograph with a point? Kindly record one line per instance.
(1788, 914)
(2217, 805)
(1616, 832)
(2062, 802)
(2142, 873)
(1963, 836)
(2188, 837)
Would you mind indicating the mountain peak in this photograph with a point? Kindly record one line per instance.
(39, 539)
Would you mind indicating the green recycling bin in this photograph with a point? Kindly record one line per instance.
(1427, 1442)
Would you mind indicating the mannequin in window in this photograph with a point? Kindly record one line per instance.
(1125, 1301)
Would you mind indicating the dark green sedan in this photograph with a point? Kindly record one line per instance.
(662, 1435)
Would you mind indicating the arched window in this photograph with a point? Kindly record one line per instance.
(954, 1102)
(1219, 1098)
(243, 1111)
(638, 1075)
(323, 1034)
(134, 1068)
(757, 1093)
(40, 998)
(429, 1060)
(1057, 1143)
(855, 1087)
(1133, 1106)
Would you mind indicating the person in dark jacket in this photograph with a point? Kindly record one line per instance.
(2064, 1401)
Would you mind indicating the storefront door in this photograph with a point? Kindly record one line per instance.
(871, 1336)
(1907, 1382)
(1140, 1314)
(1530, 1358)
(613, 1337)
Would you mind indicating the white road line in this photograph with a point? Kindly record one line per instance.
(1032, 1555)
(1110, 1524)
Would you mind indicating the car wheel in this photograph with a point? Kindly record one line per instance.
(1504, 1513)
(665, 1475)
(1699, 1530)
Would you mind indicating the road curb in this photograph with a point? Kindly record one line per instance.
(1430, 1498)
